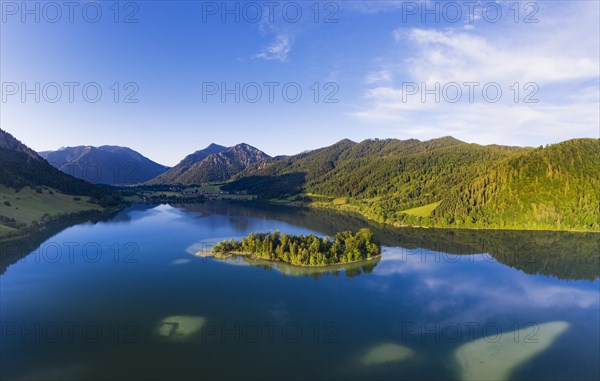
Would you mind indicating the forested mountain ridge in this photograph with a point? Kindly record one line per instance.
(112, 165)
(204, 167)
(548, 188)
(437, 183)
(21, 167)
(404, 173)
(35, 195)
(441, 182)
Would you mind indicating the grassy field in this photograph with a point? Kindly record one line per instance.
(422, 211)
(27, 205)
(6, 230)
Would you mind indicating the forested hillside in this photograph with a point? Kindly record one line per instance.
(442, 182)
(555, 187)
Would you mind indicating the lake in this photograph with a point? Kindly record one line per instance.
(127, 298)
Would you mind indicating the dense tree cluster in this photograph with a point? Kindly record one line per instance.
(554, 188)
(305, 250)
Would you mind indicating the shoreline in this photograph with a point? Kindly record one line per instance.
(300, 204)
(61, 221)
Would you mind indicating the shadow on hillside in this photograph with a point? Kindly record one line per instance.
(270, 186)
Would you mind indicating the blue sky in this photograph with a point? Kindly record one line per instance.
(371, 63)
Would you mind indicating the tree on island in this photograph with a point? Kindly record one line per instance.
(305, 250)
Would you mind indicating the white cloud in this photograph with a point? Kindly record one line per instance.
(560, 55)
(462, 56)
(278, 50)
(380, 76)
(446, 281)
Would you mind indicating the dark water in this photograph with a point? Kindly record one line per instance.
(127, 299)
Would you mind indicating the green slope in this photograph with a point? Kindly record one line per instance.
(23, 207)
(554, 188)
(422, 211)
(33, 193)
(398, 182)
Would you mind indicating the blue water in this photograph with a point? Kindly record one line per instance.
(128, 299)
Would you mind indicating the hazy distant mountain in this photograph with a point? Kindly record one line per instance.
(212, 164)
(111, 165)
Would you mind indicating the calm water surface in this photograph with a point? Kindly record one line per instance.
(128, 299)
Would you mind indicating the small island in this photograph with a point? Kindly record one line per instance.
(304, 250)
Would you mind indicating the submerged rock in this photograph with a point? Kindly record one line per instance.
(386, 353)
(180, 327)
(495, 358)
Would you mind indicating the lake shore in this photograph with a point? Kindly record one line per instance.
(61, 221)
(349, 209)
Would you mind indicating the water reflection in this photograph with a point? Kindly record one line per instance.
(395, 317)
(573, 256)
(560, 254)
(349, 270)
(13, 250)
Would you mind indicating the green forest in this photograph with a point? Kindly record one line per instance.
(441, 183)
(305, 250)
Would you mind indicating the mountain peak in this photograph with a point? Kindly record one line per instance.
(214, 163)
(447, 139)
(213, 148)
(245, 146)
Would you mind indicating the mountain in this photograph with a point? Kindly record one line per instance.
(435, 183)
(403, 172)
(171, 176)
(213, 164)
(9, 142)
(36, 196)
(441, 182)
(197, 156)
(547, 188)
(111, 165)
(21, 166)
